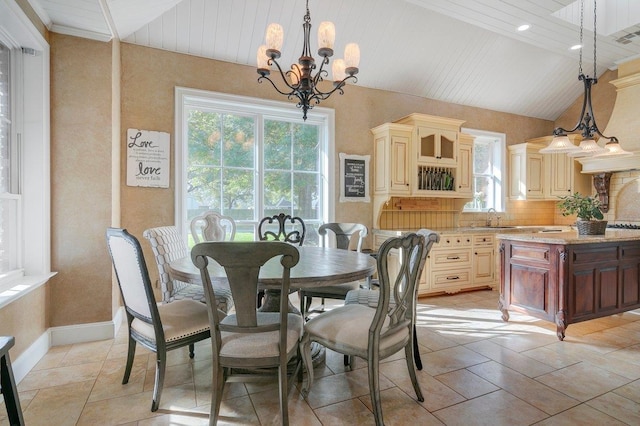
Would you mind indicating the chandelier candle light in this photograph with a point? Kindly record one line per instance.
(587, 122)
(299, 80)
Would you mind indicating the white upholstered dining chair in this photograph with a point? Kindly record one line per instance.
(249, 339)
(375, 334)
(212, 226)
(157, 327)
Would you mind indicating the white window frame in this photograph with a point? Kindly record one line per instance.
(325, 117)
(501, 172)
(32, 128)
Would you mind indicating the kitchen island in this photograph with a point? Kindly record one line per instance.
(568, 278)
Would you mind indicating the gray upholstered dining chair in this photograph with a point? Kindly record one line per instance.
(343, 234)
(250, 339)
(168, 245)
(212, 226)
(370, 297)
(157, 327)
(375, 334)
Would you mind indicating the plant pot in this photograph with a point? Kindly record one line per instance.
(591, 227)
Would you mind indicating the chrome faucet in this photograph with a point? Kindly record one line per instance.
(489, 219)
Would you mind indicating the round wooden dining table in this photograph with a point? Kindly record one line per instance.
(318, 266)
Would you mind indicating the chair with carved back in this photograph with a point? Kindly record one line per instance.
(343, 236)
(159, 327)
(281, 227)
(376, 334)
(212, 226)
(249, 339)
(370, 297)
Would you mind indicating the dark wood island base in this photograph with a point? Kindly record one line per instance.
(566, 278)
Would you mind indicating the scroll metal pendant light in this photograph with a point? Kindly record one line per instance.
(300, 82)
(587, 122)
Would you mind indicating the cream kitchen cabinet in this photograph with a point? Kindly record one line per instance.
(526, 172)
(460, 261)
(435, 139)
(535, 176)
(484, 259)
(563, 173)
(392, 147)
(464, 186)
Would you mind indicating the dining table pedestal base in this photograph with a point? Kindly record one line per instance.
(271, 303)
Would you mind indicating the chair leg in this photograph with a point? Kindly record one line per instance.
(217, 388)
(409, 358)
(130, 354)
(191, 351)
(284, 395)
(161, 362)
(10, 392)
(374, 386)
(305, 349)
(416, 349)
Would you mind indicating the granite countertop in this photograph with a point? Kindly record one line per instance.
(480, 230)
(572, 237)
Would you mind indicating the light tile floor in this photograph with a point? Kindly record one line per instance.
(477, 370)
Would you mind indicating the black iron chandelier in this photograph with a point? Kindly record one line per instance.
(587, 122)
(299, 81)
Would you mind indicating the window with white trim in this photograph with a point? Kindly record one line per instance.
(249, 158)
(25, 242)
(488, 171)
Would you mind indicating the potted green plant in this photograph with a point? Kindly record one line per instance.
(587, 209)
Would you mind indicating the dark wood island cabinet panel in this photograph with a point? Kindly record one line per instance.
(568, 283)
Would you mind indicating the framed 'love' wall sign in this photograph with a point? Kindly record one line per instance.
(147, 158)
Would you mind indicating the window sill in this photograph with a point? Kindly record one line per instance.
(15, 289)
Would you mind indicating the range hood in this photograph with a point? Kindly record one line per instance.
(623, 124)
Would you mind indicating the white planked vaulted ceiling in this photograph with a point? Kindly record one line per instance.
(460, 51)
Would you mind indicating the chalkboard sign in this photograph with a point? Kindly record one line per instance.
(354, 178)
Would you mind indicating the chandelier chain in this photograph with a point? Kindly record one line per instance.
(595, 32)
(581, 44)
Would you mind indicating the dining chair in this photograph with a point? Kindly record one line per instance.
(8, 383)
(376, 334)
(157, 327)
(249, 339)
(212, 226)
(280, 227)
(370, 297)
(343, 234)
(168, 245)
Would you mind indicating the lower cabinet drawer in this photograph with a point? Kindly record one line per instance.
(450, 258)
(450, 278)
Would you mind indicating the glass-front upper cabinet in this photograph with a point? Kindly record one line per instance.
(437, 146)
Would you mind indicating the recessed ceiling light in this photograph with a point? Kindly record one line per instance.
(575, 47)
(524, 27)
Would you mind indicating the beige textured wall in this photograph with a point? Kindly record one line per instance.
(81, 292)
(26, 319)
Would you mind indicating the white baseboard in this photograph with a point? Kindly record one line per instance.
(29, 358)
(57, 336)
